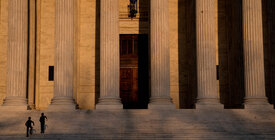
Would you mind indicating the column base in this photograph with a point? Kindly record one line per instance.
(211, 103)
(161, 104)
(109, 104)
(62, 104)
(257, 104)
(14, 104)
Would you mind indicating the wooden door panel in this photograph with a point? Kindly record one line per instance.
(129, 85)
(132, 91)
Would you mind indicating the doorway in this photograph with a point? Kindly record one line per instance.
(134, 71)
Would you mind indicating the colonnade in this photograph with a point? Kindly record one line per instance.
(159, 55)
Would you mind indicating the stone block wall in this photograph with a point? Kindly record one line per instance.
(45, 45)
(3, 47)
(174, 53)
(86, 54)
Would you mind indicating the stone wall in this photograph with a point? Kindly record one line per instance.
(3, 47)
(44, 52)
(174, 51)
(86, 54)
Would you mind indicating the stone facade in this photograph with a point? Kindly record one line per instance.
(186, 38)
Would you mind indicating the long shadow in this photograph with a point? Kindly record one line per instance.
(226, 124)
(143, 72)
(128, 124)
(187, 53)
(231, 67)
(250, 122)
(268, 7)
(97, 53)
(144, 53)
(229, 124)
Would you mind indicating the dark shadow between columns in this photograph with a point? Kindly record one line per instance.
(97, 52)
(231, 67)
(268, 7)
(187, 53)
(144, 56)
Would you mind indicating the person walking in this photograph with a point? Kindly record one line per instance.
(28, 124)
(42, 122)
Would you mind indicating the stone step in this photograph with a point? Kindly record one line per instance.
(143, 124)
(140, 136)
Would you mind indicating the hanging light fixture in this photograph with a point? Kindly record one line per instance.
(132, 8)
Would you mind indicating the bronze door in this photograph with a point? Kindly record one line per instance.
(134, 71)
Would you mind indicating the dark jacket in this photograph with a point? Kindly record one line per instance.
(42, 119)
(29, 123)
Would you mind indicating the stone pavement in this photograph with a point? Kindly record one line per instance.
(187, 124)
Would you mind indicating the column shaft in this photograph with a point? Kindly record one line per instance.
(160, 67)
(253, 52)
(206, 52)
(17, 53)
(109, 55)
(64, 48)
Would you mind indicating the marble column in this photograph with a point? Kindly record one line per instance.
(206, 54)
(64, 52)
(253, 54)
(109, 55)
(160, 75)
(17, 55)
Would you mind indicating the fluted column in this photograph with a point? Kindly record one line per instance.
(17, 55)
(253, 54)
(160, 75)
(109, 55)
(206, 54)
(64, 48)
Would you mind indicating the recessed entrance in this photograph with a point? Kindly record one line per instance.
(134, 72)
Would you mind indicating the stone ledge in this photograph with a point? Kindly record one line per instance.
(166, 106)
(209, 106)
(109, 107)
(13, 108)
(260, 107)
(61, 108)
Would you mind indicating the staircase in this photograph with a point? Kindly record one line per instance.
(184, 124)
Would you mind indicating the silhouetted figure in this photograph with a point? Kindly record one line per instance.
(42, 122)
(28, 124)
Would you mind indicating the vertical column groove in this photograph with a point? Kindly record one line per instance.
(17, 53)
(160, 69)
(64, 54)
(253, 52)
(206, 52)
(109, 55)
